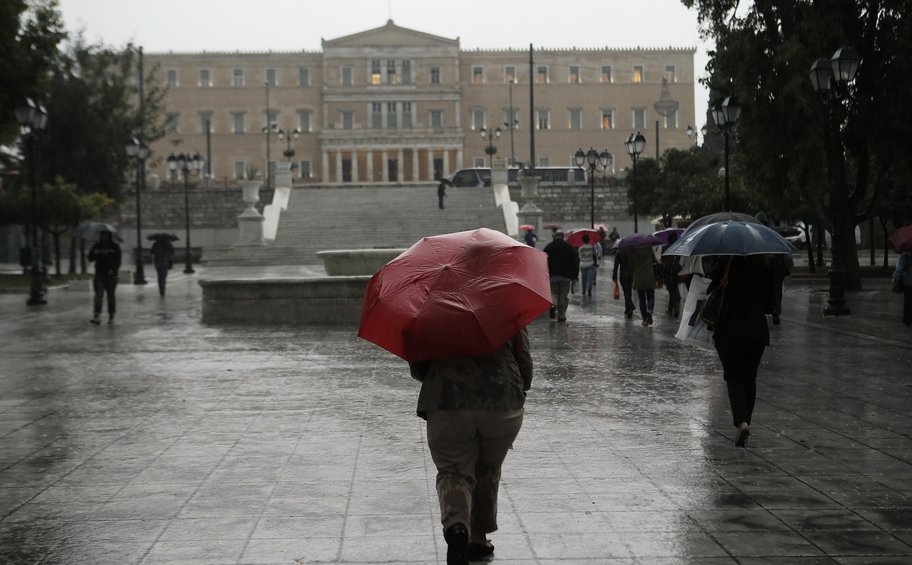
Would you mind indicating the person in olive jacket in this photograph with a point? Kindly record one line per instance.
(742, 334)
(106, 256)
(474, 410)
(642, 263)
(563, 269)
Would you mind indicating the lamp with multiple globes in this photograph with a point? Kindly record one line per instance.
(595, 162)
(635, 145)
(187, 165)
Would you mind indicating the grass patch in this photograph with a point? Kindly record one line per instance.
(20, 282)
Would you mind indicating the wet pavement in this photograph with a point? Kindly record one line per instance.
(161, 440)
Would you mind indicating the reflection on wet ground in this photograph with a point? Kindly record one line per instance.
(161, 440)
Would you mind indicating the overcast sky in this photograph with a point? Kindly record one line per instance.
(288, 25)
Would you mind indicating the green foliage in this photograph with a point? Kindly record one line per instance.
(63, 206)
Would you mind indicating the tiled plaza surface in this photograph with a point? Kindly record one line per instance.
(162, 440)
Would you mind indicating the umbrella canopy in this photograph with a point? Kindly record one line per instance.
(902, 239)
(527, 227)
(552, 226)
(575, 238)
(636, 240)
(720, 217)
(165, 236)
(730, 238)
(457, 294)
(91, 230)
(665, 235)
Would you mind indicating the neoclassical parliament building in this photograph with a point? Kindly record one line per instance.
(395, 105)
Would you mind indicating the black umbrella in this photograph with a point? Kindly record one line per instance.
(165, 236)
(730, 238)
(720, 217)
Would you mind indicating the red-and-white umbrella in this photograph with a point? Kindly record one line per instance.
(458, 294)
(902, 239)
(576, 237)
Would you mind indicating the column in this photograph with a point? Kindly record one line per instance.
(415, 175)
(384, 157)
(459, 158)
(370, 165)
(354, 154)
(430, 162)
(339, 177)
(400, 165)
(446, 162)
(324, 174)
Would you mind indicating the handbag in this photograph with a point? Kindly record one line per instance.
(617, 291)
(714, 306)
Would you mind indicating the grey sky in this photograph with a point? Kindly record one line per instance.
(289, 25)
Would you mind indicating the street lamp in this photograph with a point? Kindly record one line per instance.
(692, 133)
(725, 116)
(831, 77)
(187, 164)
(33, 117)
(635, 146)
(138, 151)
(512, 123)
(595, 161)
(293, 135)
(490, 149)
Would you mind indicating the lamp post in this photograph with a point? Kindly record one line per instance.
(595, 161)
(267, 129)
(293, 135)
(725, 115)
(511, 124)
(186, 164)
(138, 151)
(692, 133)
(490, 149)
(33, 117)
(635, 145)
(831, 78)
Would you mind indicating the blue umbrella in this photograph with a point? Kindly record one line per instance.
(730, 238)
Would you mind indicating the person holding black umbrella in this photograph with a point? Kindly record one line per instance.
(162, 255)
(106, 256)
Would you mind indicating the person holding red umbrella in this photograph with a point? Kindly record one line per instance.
(902, 276)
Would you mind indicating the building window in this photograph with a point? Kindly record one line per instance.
(544, 119)
(407, 115)
(272, 118)
(205, 80)
(479, 162)
(607, 119)
(205, 122)
(303, 76)
(376, 78)
(346, 76)
(671, 120)
(639, 74)
(237, 77)
(436, 119)
(511, 118)
(510, 74)
(304, 121)
(348, 120)
(606, 73)
(477, 75)
(172, 123)
(391, 72)
(271, 77)
(478, 120)
(377, 115)
(407, 72)
(670, 73)
(306, 170)
(575, 74)
(240, 170)
(238, 122)
(576, 119)
(392, 121)
(435, 75)
(172, 78)
(639, 118)
(541, 74)
(544, 161)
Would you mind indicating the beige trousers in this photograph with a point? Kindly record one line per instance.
(469, 448)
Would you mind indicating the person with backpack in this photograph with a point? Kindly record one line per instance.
(106, 255)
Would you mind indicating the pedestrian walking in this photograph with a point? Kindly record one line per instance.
(741, 334)
(781, 267)
(531, 238)
(162, 256)
(474, 411)
(588, 262)
(612, 238)
(563, 269)
(902, 276)
(106, 256)
(642, 263)
(671, 267)
(623, 274)
(441, 192)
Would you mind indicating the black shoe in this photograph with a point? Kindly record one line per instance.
(457, 538)
(481, 551)
(95, 320)
(552, 312)
(743, 432)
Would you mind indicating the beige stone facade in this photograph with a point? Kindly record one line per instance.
(397, 105)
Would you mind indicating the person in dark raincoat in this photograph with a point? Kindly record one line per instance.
(106, 255)
(162, 255)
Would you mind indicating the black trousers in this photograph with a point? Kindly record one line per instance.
(740, 360)
(907, 306)
(162, 279)
(105, 284)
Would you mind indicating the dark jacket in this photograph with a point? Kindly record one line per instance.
(563, 261)
(106, 256)
(749, 296)
(622, 267)
(497, 382)
(162, 253)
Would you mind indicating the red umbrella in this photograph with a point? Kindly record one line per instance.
(576, 238)
(527, 227)
(902, 239)
(456, 294)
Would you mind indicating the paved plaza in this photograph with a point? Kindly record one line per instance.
(159, 439)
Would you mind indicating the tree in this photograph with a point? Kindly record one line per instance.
(63, 207)
(763, 56)
(30, 32)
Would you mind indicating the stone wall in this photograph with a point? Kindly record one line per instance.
(569, 205)
(209, 209)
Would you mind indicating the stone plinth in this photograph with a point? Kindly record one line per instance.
(250, 222)
(352, 262)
